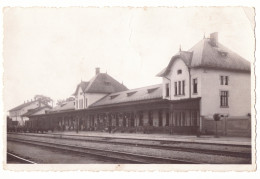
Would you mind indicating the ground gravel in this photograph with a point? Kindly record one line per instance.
(182, 155)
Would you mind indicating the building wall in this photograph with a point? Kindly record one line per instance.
(93, 97)
(239, 89)
(174, 77)
(88, 98)
(16, 115)
(80, 96)
(42, 111)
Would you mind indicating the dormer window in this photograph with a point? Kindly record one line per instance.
(222, 53)
(113, 96)
(179, 72)
(151, 90)
(131, 93)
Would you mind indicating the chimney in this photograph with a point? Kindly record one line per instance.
(97, 70)
(214, 39)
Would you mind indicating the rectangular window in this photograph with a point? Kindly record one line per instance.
(150, 118)
(183, 119)
(124, 121)
(167, 90)
(80, 103)
(76, 104)
(141, 122)
(179, 87)
(179, 72)
(183, 87)
(221, 80)
(160, 118)
(117, 121)
(224, 98)
(167, 119)
(175, 88)
(195, 86)
(224, 80)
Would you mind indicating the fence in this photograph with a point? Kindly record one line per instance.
(230, 126)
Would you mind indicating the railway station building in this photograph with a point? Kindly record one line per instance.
(197, 83)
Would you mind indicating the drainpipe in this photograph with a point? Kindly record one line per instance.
(189, 83)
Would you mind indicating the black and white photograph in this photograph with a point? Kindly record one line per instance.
(124, 85)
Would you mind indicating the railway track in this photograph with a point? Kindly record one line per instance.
(12, 158)
(107, 140)
(110, 154)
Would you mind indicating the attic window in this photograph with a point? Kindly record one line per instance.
(151, 90)
(222, 53)
(131, 93)
(113, 96)
(179, 72)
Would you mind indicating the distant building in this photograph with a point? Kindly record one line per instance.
(36, 111)
(18, 113)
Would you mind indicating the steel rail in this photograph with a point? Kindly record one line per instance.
(20, 158)
(154, 146)
(137, 139)
(112, 154)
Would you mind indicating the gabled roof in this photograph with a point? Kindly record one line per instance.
(101, 83)
(33, 111)
(22, 106)
(83, 85)
(206, 55)
(139, 94)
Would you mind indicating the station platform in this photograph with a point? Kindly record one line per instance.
(166, 137)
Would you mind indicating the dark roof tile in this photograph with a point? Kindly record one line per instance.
(139, 94)
(21, 106)
(33, 111)
(204, 54)
(103, 83)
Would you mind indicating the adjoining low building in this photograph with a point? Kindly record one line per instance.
(207, 79)
(36, 111)
(18, 113)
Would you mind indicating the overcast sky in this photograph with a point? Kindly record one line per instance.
(49, 51)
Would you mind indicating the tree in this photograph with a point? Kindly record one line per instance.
(62, 101)
(44, 99)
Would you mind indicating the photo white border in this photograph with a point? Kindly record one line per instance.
(140, 3)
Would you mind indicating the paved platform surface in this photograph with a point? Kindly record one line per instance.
(167, 137)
